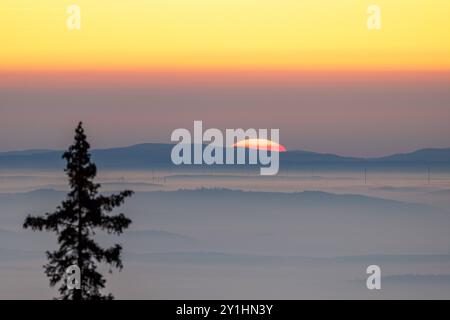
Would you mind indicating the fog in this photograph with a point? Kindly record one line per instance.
(204, 235)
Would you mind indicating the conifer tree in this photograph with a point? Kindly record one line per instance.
(75, 223)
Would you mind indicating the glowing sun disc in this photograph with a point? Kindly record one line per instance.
(260, 144)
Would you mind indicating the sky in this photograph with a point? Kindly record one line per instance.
(136, 70)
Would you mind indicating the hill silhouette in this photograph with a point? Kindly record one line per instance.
(157, 156)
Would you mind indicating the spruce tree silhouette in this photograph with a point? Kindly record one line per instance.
(75, 222)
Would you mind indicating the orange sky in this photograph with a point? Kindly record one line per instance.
(225, 34)
(311, 68)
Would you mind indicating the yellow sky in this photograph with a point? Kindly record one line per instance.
(220, 34)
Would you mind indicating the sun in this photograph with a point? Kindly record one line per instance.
(260, 144)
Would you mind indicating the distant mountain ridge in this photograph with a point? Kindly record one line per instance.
(157, 156)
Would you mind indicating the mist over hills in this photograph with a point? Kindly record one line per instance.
(193, 240)
(157, 156)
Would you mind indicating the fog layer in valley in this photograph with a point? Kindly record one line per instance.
(302, 234)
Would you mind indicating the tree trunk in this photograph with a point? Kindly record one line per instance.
(77, 294)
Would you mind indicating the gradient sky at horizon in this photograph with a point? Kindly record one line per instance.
(139, 69)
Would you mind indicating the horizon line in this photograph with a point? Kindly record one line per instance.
(287, 151)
